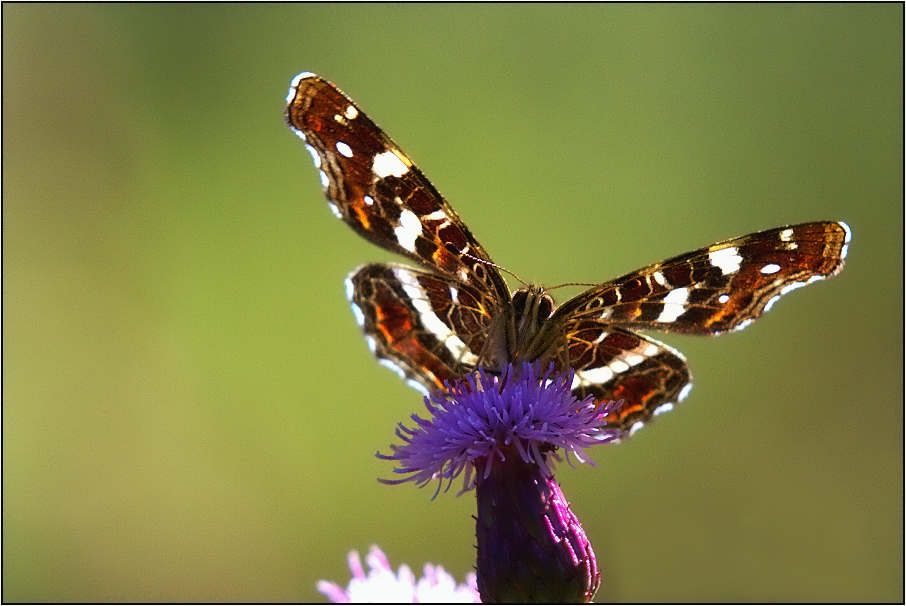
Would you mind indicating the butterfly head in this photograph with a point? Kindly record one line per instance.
(532, 304)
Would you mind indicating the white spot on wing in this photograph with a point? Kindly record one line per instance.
(723, 298)
(368, 200)
(324, 180)
(314, 156)
(416, 295)
(372, 344)
(409, 229)
(847, 236)
(333, 208)
(359, 316)
(791, 287)
(344, 149)
(430, 320)
(351, 113)
(405, 277)
(455, 345)
(659, 278)
(744, 324)
(295, 84)
(392, 366)
(684, 392)
(388, 163)
(770, 268)
(471, 359)
(633, 359)
(413, 383)
(350, 288)
(595, 375)
(770, 303)
(635, 428)
(674, 305)
(849, 233)
(434, 324)
(786, 235)
(618, 366)
(662, 409)
(725, 259)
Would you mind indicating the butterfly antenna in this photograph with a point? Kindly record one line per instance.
(572, 284)
(492, 264)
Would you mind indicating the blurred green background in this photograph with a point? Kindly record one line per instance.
(190, 412)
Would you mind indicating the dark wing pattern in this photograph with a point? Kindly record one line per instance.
(719, 288)
(375, 188)
(615, 364)
(427, 328)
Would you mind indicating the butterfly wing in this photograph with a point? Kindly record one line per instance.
(375, 188)
(614, 364)
(719, 288)
(426, 327)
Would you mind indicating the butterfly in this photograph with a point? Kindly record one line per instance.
(454, 312)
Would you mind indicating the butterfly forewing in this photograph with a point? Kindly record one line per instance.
(375, 188)
(719, 288)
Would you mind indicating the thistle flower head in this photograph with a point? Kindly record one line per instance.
(487, 418)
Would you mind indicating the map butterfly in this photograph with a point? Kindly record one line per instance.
(439, 322)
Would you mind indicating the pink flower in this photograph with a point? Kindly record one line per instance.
(381, 585)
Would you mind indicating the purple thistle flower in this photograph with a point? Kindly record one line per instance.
(381, 585)
(489, 417)
(503, 432)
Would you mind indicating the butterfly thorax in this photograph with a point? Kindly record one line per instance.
(521, 331)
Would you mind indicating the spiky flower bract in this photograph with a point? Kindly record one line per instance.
(531, 547)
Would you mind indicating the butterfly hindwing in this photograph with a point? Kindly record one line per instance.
(614, 364)
(428, 326)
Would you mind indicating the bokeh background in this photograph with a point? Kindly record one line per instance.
(190, 412)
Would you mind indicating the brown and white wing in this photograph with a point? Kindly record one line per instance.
(614, 364)
(427, 328)
(378, 191)
(719, 288)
